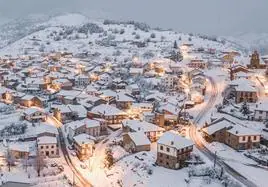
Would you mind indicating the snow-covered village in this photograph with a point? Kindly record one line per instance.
(106, 103)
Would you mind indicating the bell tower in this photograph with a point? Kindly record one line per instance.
(255, 60)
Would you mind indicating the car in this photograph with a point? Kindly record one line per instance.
(70, 147)
(83, 166)
(61, 168)
(54, 165)
(73, 153)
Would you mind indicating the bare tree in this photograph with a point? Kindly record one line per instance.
(10, 159)
(39, 163)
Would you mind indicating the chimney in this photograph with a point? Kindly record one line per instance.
(139, 128)
(172, 143)
(236, 132)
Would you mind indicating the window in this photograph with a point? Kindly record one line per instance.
(255, 137)
(244, 138)
(167, 164)
(52, 152)
(41, 147)
(160, 154)
(168, 149)
(47, 146)
(52, 146)
(167, 157)
(161, 147)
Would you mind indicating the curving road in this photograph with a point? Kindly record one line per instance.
(80, 180)
(202, 148)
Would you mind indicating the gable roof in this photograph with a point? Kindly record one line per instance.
(170, 138)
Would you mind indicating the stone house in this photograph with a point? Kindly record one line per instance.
(173, 150)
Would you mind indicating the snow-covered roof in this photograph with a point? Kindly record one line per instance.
(62, 108)
(79, 109)
(121, 97)
(139, 138)
(75, 124)
(30, 111)
(217, 125)
(108, 93)
(141, 126)
(43, 127)
(21, 147)
(27, 97)
(240, 130)
(107, 110)
(170, 138)
(92, 123)
(46, 140)
(263, 106)
(83, 139)
(245, 88)
(136, 70)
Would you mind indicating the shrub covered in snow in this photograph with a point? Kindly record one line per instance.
(137, 25)
(14, 129)
(90, 28)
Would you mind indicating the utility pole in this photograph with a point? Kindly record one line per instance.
(215, 158)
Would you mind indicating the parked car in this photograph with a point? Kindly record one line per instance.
(83, 166)
(61, 168)
(54, 165)
(73, 153)
(70, 147)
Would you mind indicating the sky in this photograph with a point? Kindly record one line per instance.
(214, 17)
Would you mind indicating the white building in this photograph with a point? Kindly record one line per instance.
(48, 146)
(261, 112)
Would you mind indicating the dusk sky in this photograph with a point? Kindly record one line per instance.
(218, 17)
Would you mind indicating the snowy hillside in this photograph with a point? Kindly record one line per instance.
(252, 41)
(78, 34)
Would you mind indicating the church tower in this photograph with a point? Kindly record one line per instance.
(255, 60)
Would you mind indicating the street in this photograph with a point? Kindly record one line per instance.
(202, 148)
(81, 182)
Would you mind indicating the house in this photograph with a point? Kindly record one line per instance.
(34, 115)
(168, 81)
(136, 142)
(118, 83)
(6, 94)
(133, 89)
(246, 93)
(197, 63)
(91, 90)
(108, 95)
(30, 100)
(153, 132)
(261, 112)
(83, 146)
(86, 126)
(173, 150)
(136, 71)
(82, 80)
(237, 70)
(110, 114)
(233, 134)
(64, 84)
(241, 138)
(19, 150)
(44, 129)
(123, 101)
(176, 68)
(48, 146)
(63, 113)
(93, 127)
